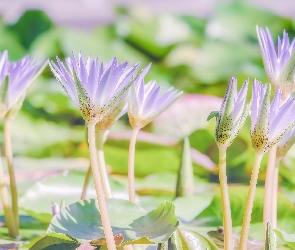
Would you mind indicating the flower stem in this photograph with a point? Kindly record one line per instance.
(12, 230)
(102, 164)
(227, 221)
(9, 158)
(274, 208)
(268, 189)
(131, 164)
(86, 182)
(250, 201)
(99, 189)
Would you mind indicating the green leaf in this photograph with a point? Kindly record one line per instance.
(38, 199)
(212, 215)
(110, 45)
(241, 19)
(270, 243)
(187, 240)
(30, 25)
(188, 208)
(8, 42)
(147, 160)
(30, 229)
(56, 241)
(213, 114)
(289, 239)
(82, 220)
(185, 177)
(144, 33)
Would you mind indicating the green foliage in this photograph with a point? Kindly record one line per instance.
(238, 195)
(188, 208)
(67, 188)
(287, 238)
(30, 25)
(197, 55)
(81, 220)
(187, 240)
(56, 241)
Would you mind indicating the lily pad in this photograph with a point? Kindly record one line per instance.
(289, 239)
(56, 241)
(81, 220)
(188, 208)
(66, 188)
(187, 240)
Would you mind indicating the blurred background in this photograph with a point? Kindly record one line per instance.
(194, 46)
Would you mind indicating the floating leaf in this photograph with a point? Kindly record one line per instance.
(56, 241)
(82, 220)
(218, 237)
(289, 239)
(187, 240)
(38, 199)
(188, 208)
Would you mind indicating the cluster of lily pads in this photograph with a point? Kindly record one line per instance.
(103, 92)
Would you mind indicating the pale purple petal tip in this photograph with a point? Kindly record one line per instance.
(97, 88)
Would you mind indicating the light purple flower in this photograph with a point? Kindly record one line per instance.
(146, 102)
(233, 113)
(279, 64)
(15, 78)
(270, 122)
(97, 89)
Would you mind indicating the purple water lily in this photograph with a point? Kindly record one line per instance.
(279, 64)
(146, 102)
(270, 122)
(232, 114)
(15, 78)
(96, 88)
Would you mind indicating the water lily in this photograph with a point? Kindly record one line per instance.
(15, 78)
(233, 113)
(279, 64)
(229, 121)
(96, 88)
(146, 102)
(270, 122)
